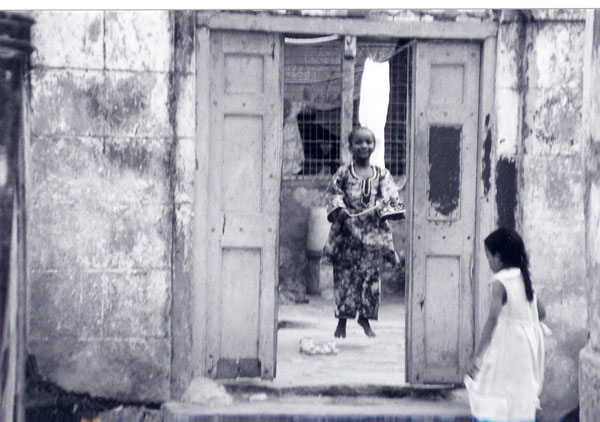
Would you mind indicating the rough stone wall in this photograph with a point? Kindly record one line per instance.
(100, 201)
(550, 211)
(112, 112)
(589, 369)
(296, 199)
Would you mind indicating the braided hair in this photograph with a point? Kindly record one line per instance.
(511, 249)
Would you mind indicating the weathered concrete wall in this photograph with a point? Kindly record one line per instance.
(589, 369)
(297, 197)
(550, 211)
(110, 192)
(509, 99)
(104, 116)
(183, 120)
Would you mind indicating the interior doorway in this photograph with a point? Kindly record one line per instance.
(240, 178)
(322, 81)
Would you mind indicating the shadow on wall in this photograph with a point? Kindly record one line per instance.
(572, 416)
(47, 402)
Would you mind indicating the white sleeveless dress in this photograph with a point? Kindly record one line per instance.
(509, 382)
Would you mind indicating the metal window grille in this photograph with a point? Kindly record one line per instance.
(312, 109)
(398, 52)
(312, 104)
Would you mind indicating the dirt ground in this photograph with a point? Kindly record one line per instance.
(365, 376)
(359, 359)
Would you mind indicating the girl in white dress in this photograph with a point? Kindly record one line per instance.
(507, 372)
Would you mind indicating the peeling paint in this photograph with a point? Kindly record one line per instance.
(487, 151)
(506, 192)
(444, 168)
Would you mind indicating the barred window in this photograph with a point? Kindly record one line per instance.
(313, 96)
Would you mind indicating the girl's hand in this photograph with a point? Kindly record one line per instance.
(341, 215)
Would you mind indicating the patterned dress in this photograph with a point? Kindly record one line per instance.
(358, 247)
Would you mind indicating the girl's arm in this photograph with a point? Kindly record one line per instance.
(498, 292)
(336, 207)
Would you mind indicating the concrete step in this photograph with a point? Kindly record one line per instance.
(259, 407)
(178, 413)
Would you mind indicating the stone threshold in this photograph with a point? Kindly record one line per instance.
(255, 401)
(333, 390)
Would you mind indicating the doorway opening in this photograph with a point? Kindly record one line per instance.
(322, 81)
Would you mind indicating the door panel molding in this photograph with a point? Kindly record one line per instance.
(442, 222)
(237, 204)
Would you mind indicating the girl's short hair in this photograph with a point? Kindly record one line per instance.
(509, 245)
(357, 129)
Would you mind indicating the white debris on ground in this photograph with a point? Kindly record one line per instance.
(257, 397)
(311, 347)
(207, 392)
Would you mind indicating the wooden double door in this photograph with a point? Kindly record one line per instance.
(242, 165)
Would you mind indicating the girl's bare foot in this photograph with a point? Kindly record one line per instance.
(340, 331)
(364, 323)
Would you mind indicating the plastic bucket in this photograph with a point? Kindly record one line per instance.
(318, 230)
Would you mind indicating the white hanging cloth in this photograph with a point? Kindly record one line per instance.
(373, 107)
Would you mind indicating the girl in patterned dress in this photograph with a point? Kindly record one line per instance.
(360, 198)
(507, 372)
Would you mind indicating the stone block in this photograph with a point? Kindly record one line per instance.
(552, 191)
(555, 53)
(186, 106)
(65, 169)
(458, 15)
(125, 369)
(68, 39)
(509, 55)
(137, 104)
(552, 121)
(567, 312)
(138, 170)
(589, 384)
(137, 304)
(98, 235)
(508, 111)
(139, 40)
(185, 164)
(565, 15)
(557, 254)
(67, 102)
(65, 303)
(140, 237)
